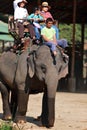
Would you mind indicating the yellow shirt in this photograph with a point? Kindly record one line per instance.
(48, 32)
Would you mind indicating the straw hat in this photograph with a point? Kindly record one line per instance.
(45, 4)
(25, 1)
(22, 1)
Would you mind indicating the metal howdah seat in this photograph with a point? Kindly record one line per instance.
(13, 28)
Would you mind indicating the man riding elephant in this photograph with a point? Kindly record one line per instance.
(36, 70)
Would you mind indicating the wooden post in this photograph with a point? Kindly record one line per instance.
(73, 37)
(82, 42)
(72, 80)
(82, 33)
(38, 2)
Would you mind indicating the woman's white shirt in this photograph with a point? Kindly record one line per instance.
(20, 13)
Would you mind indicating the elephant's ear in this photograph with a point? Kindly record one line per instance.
(31, 66)
(63, 72)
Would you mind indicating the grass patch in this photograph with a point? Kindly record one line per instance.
(6, 125)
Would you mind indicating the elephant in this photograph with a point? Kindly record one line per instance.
(8, 64)
(35, 70)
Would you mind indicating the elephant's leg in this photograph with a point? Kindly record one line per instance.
(13, 102)
(5, 100)
(22, 106)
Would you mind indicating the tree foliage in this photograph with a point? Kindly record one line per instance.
(66, 31)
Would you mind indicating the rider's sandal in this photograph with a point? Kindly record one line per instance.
(22, 40)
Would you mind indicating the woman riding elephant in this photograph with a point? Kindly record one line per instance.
(36, 73)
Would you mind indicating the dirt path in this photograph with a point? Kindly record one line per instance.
(71, 112)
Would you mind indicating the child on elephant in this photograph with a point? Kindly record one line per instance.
(35, 18)
(45, 13)
(49, 37)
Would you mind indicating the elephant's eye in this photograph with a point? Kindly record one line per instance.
(43, 68)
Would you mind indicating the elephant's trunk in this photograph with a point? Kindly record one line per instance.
(48, 111)
(51, 111)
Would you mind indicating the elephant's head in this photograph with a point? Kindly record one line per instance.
(41, 62)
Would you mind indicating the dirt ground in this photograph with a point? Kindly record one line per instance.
(70, 112)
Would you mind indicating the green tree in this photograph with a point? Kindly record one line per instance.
(66, 31)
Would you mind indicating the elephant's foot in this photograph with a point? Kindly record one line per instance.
(7, 117)
(20, 119)
(51, 124)
(46, 125)
(46, 122)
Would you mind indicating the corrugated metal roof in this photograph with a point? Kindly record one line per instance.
(3, 27)
(4, 34)
(6, 37)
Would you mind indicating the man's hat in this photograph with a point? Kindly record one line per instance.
(22, 1)
(45, 4)
(25, 1)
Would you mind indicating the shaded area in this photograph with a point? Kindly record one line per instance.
(63, 11)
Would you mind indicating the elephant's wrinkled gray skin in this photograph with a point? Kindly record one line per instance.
(8, 66)
(8, 63)
(42, 74)
(39, 73)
